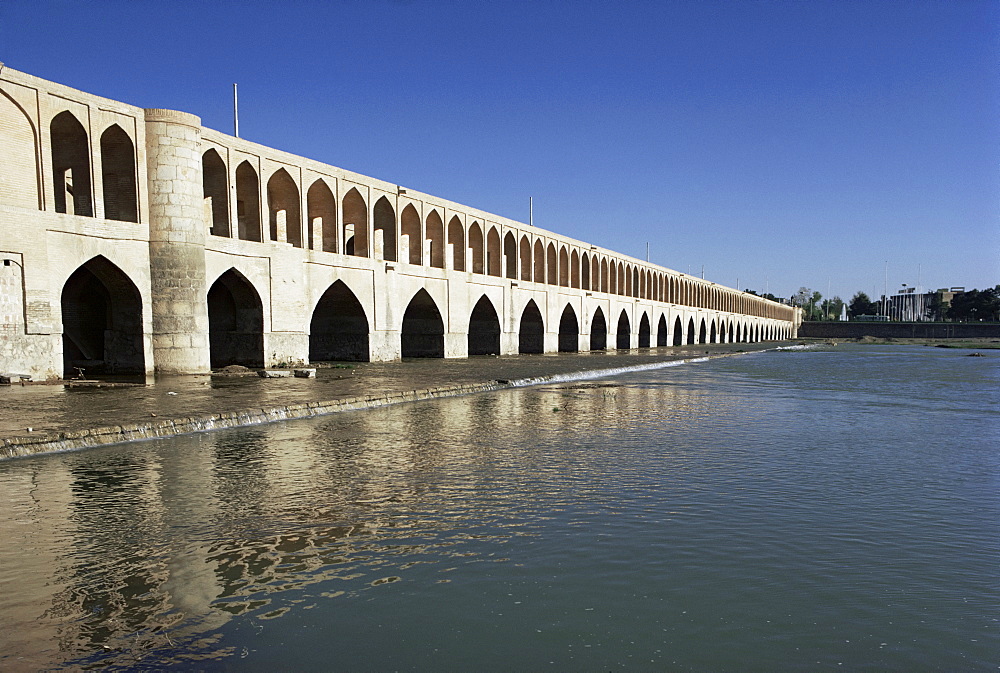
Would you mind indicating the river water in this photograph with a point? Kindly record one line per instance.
(818, 509)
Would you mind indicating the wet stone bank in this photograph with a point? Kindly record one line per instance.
(50, 418)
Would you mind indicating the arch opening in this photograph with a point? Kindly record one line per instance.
(484, 329)
(409, 224)
(355, 227)
(456, 239)
(678, 332)
(531, 333)
(321, 208)
(476, 249)
(339, 327)
(235, 322)
(623, 340)
(384, 229)
(435, 239)
(102, 321)
(423, 328)
(644, 331)
(598, 331)
(661, 332)
(284, 214)
(118, 176)
(215, 190)
(569, 331)
(510, 255)
(247, 203)
(70, 165)
(493, 260)
(690, 331)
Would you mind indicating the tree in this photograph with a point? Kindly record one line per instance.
(976, 305)
(861, 305)
(831, 308)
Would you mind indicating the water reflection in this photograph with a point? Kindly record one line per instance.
(164, 551)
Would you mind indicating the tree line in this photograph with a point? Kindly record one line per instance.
(967, 306)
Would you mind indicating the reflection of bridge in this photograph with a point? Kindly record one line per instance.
(137, 240)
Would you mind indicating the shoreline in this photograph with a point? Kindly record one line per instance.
(524, 372)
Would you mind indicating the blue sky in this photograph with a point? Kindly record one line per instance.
(777, 144)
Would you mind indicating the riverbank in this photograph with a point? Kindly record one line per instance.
(49, 418)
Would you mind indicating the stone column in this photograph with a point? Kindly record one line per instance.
(177, 235)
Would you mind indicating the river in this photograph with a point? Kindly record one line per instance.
(831, 508)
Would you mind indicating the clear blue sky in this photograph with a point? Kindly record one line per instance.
(779, 143)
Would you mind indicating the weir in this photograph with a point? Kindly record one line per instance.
(137, 240)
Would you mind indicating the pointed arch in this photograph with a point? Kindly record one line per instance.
(678, 332)
(70, 165)
(552, 266)
(355, 224)
(524, 252)
(248, 203)
(477, 246)
(538, 274)
(484, 329)
(644, 331)
(623, 338)
(661, 331)
(284, 214)
(384, 221)
(435, 238)
(456, 239)
(691, 338)
(510, 255)
(422, 335)
(339, 327)
(102, 320)
(585, 272)
(215, 190)
(569, 331)
(409, 224)
(702, 334)
(712, 333)
(493, 257)
(531, 330)
(19, 180)
(598, 331)
(235, 322)
(574, 280)
(118, 177)
(605, 280)
(613, 280)
(321, 209)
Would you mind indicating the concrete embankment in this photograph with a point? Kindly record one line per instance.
(51, 418)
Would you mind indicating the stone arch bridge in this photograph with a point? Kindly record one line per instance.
(138, 241)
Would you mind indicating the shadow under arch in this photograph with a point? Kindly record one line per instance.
(484, 329)
(423, 328)
(569, 331)
(339, 327)
(235, 322)
(678, 332)
(531, 333)
(644, 331)
(598, 331)
(623, 338)
(690, 333)
(102, 321)
(661, 331)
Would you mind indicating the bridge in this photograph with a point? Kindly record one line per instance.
(138, 241)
